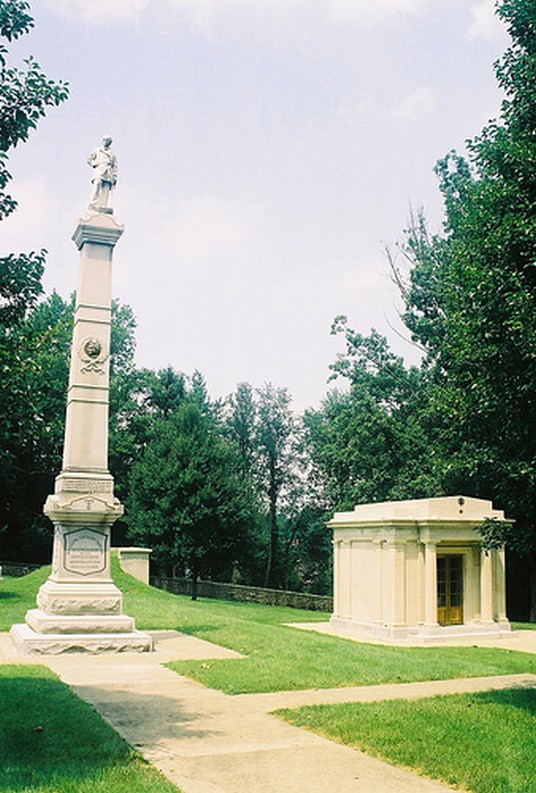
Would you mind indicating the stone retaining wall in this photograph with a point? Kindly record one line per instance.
(245, 594)
(17, 569)
(213, 589)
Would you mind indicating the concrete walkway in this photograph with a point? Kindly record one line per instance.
(522, 641)
(209, 742)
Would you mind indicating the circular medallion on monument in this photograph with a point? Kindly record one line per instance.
(92, 355)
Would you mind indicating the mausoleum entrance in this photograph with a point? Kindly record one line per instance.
(450, 589)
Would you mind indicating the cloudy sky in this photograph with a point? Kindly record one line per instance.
(269, 150)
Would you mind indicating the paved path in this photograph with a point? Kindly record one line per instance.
(523, 641)
(209, 742)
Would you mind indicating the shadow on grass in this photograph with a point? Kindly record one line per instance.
(197, 630)
(52, 740)
(9, 595)
(521, 698)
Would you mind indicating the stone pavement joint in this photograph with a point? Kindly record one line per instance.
(209, 742)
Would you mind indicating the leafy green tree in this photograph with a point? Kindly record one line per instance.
(308, 554)
(34, 356)
(187, 498)
(241, 422)
(274, 439)
(24, 95)
(471, 300)
(24, 98)
(374, 441)
(269, 439)
(34, 361)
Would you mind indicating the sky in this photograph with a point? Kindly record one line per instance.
(269, 152)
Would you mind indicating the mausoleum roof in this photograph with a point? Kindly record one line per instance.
(444, 508)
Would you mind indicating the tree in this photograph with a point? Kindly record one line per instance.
(274, 440)
(25, 95)
(34, 364)
(24, 98)
(241, 422)
(187, 498)
(373, 442)
(470, 302)
(275, 462)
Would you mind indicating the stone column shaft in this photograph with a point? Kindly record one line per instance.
(79, 606)
(486, 588)
(430, 585)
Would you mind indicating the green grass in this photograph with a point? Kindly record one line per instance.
(483, 742)
(278, 657)
(17, 595)
(52, 742)
(524, 626)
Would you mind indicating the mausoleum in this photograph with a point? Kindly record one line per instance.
(415, 569)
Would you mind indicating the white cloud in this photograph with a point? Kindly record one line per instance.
(352, 113)
(485, 24)
(366, 11)
(204, 13)
(208, 225)
(99, 12)
(417, 104)
(36, 214)
(206, 233)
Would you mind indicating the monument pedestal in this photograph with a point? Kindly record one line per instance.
(79, 608)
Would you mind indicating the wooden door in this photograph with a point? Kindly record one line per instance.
(450, 590)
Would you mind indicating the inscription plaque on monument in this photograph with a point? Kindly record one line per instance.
(85, 552)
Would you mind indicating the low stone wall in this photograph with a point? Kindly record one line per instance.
(245, 594)
(17, 569)
(135, 562)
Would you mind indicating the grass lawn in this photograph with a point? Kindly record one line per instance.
(278, 657)
(524, 626)
(52, 742)
(482, 742)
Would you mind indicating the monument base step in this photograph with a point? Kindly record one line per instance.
(72, 598)
(28, 642)
(41, 622)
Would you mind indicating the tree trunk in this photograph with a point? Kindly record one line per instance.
(272, 541)
(272, 549)
(288, 546)
(195, 576)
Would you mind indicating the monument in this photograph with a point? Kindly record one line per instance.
(79, 608)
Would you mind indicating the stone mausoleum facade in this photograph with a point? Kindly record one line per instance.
(407, 570)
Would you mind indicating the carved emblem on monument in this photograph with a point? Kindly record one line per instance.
(92, 355)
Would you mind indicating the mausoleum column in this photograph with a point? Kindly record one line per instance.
(486, 587)
(500, 587)
(430, 584)
(336, 576)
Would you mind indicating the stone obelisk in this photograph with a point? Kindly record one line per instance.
(79, 608)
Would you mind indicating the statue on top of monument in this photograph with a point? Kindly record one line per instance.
(104, 164)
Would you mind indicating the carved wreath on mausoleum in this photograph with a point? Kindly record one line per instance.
(92, 355)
